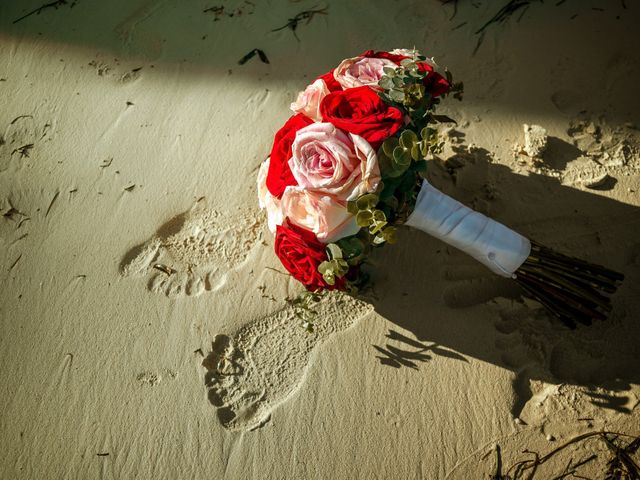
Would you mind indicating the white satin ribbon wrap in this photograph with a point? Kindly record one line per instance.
(491, 243)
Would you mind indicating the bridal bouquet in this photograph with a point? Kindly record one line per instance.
(348, 168)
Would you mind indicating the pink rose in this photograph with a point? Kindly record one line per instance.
(321, 214)
(268, 201)
(331, 168)
(326, 159)
(361, 71)
(308, 101)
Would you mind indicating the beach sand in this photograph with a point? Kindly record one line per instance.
(130, 139)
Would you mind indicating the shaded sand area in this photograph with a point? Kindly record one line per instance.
(143, 328)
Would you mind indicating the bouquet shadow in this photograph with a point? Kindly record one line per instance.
(456, 308)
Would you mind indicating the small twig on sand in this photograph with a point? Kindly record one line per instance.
(306, 15)
(56, 4)
(53, 200)
(505, 12)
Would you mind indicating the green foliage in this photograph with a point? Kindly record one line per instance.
(335, 267)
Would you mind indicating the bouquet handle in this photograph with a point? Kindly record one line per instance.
(499, 248)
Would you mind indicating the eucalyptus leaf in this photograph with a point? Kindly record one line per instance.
(378, 240)
(367, 201)
(397, 171)
(389, 71)
(389, 145)
(341, 267)
(333, 251)
(401, 156)
(415, 152)
(325, 267)
(396, 95)
(364, 218)
(379, 216)
(386, 83)
(386, 167)
(352, 247)
(329, 278)
(408, 138)
(374, 228)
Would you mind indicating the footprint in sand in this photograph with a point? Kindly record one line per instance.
(264, 363)
(194, 252)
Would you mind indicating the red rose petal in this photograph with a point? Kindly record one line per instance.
(279, 175)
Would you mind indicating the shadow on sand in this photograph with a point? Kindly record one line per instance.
(520, 335)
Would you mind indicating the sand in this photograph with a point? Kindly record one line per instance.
(131, 138)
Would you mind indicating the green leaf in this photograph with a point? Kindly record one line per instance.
(333, 251)
(378, 240)
(415, 152)
(386, 166)
(389, 71)
(329, 278)
(352, 247)
(401, 157)
(406, 62)
(389, 145)
(396, 95)
(408, 138)
(398, 82)
(424, 148)
(364, 218)
(341, 267)
(352, 207)
(379, 216)
(367, 201)
(325, 267)
(376, 227)
(396, 172)
(386, 83)
(427, 132)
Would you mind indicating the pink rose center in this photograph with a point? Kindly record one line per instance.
(369, 70)
(319, 161)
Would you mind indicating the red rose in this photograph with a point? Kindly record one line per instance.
(330, 81)
(279, 175)
(301, 253)
(389, 56)
(435, 84)
(361, 111)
